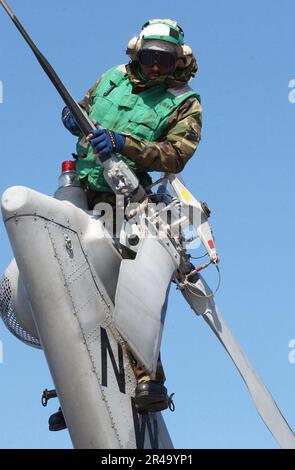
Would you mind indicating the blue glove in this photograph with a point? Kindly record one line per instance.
(69, 121)
(105, 141)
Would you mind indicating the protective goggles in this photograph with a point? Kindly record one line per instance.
(150, 57)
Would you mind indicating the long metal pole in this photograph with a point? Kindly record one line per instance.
(83, 121)
(130, 187)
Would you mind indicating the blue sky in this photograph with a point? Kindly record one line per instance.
(244, 169)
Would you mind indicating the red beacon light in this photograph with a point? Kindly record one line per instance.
(68, 165)
(69, 186)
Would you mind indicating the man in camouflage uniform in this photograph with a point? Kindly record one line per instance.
(152, 119)
(180, 127)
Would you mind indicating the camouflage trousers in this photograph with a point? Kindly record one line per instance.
(93, 198)
(142, 376)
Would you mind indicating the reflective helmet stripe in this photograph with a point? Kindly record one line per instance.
(164, 32)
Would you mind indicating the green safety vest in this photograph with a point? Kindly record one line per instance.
(143, 116)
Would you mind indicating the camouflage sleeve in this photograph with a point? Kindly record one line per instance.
(175, 147)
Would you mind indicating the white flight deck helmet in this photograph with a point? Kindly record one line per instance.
(167, 36)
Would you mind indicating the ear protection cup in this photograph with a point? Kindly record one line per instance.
(132, 48)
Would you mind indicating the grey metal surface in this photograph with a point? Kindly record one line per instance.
(264, 402)
(141, 300)
(73, 194)
(70, 268)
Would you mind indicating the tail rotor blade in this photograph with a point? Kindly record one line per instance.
(264, 402)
